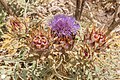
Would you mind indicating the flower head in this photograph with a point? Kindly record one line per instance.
(98, 36)
(38, 40)
(95, 38)
(16, 25)
(63, 25)
(64, 29)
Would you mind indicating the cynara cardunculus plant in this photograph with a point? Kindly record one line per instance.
(63, 29)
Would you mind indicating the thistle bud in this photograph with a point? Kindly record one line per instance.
(38, 41)
(16, 25)
(95, 38)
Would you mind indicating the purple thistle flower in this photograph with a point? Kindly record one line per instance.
(63, 25)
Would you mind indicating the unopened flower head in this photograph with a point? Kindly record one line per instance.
(63, 25)
(38, 41)
(16, 25)
(98, 36)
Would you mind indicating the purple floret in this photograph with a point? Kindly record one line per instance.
(63, 25)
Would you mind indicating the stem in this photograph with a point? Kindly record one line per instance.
(114, 23)
(112, 26)
(7, 8)
(79, 9)
(82, 5)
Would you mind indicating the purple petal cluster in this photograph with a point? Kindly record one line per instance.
(63, 25)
